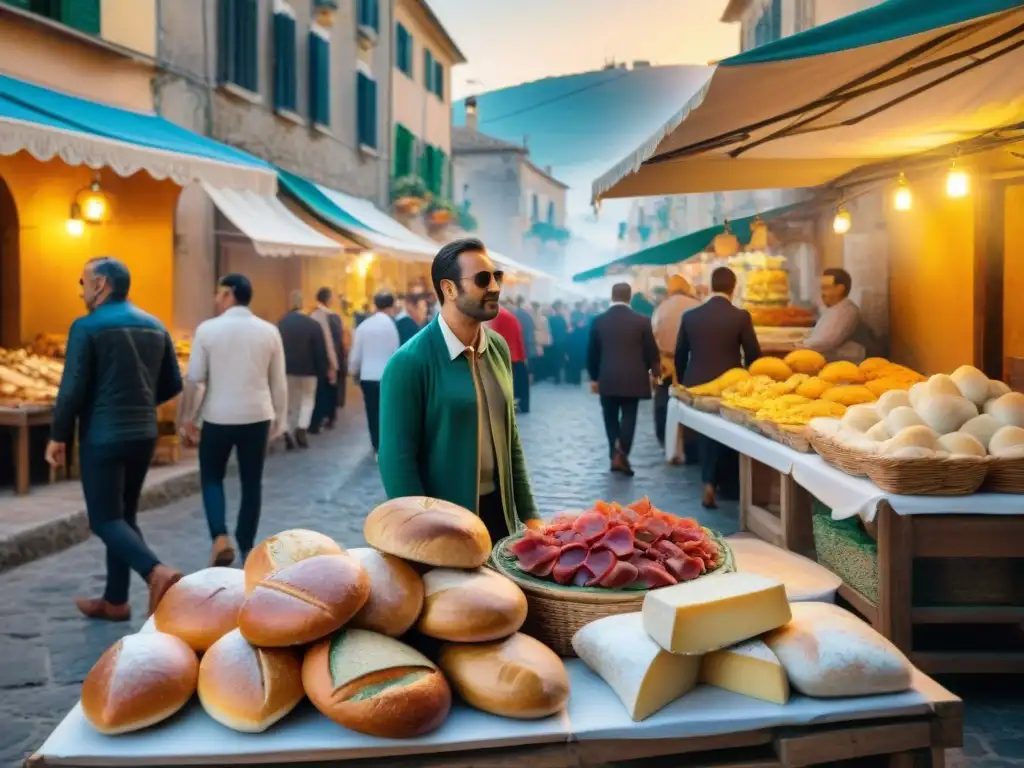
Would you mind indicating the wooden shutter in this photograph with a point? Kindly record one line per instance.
(428, 70)
(441, 172)
(534, 208)
(285, 87)
(404, 151)
(319, 80)
(369, 14)
(551, 212)
(83, 15)
(439, 79)
(225, 39)
(245, 58)
(366, 93)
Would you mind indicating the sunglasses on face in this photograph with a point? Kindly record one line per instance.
(483, 279)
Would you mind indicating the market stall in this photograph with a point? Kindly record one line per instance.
(927, 540)
(610, 634)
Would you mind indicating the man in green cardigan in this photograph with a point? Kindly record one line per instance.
(447, 413)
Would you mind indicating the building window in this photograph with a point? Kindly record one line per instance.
(285, 85)
(369, 14)
(405, 151)
(438, 88)
(403, 49)
(319, 77)
(238, 43)
(433, 169)
(429, 72)
(551, 212)
(366, 110)
(83, 15)
(534, 208)
(769, 24)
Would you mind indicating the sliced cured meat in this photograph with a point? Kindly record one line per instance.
(640, 544)
(603, 508)
(652, 530)
(569, 536)
(620, 575)
(685, 568)
(681, 534)
(591, 526)
(642, 507)
(693, 547)
(619, 539)
(653, 575)
(582, 577)
(599, 562)
(667, 548)
(530, 539)
(540, 555)
(568, 562)
(542, 569)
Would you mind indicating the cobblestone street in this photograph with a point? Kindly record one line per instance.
(46, 648)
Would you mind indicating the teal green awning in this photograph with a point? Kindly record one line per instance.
(47, 124)
(902, 78)
(681, 248)
(316, 202)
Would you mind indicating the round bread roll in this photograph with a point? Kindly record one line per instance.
(374, 684)
(428, 531)
(396, 594)
(516, 677)
(202, 607)
(139, 681)
(304, 601)
(249, 689)
(470, 606)
(283, 549)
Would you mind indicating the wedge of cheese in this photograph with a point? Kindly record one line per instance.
(643, 675)
(705, 615)
(749, 668)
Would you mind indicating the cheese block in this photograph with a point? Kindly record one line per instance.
(749, 668)
(709, 614)
(828, 652)
(804, 579)
(643, 675)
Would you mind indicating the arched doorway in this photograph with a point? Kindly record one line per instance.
(10, 307)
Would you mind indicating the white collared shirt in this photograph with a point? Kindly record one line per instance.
(240, 360)
(456, 347)
(375, 341)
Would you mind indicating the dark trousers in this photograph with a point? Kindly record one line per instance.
(537, 368)
(326, 405)
(619, 422)
(554, 362)
(521, 386)
(660, 411)
(719, 466)
(492, 513)
(112, 478)
(371, 399)
(249, 441)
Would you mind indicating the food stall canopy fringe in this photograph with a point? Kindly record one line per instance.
(900, 78)
(47, 124)
(272, 228)
(682, 248)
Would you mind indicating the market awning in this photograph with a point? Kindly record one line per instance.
(682, 248)
(900, 78)
(358, 218)
(48, 124)
(272, 228)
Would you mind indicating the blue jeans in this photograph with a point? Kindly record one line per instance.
(112, 478)
(249, 441)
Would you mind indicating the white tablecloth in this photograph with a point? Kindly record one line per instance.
(845, 495)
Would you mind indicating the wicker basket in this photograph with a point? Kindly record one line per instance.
(737, 416)
(1004, 476)
(849, 461)
(557, 612)
(707, 404)
(680, 394)
(791, 437)
(926, 477)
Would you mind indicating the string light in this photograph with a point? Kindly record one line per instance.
(903, 200)
(957, 183)
(842, 222)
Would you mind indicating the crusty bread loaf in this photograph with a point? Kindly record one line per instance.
(202, 607)
(283, 549)
(828, 652)
(396, 594)
(428, 531)
(374, 684)
(246, 688)
(516, 677)
(139, 681)
(470, 606)
(304, 601)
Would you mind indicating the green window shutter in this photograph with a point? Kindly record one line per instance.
(534, 208)
(403, 49)
(551, 212)
(238, 44)
(285, 87)
(439, 79)
(225, 39)
(83, 15)
(369, 14)
(441, 172)
(404, 151)
(428, 70)
(319, 80)
(366, 94)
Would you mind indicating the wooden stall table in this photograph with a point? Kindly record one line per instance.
(21, 420)
(709, 727)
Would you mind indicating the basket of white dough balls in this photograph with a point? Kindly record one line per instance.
(948, 436)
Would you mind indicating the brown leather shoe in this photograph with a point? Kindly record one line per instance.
(223, 554)
(709, 501)
(161, 578)
(98, 608)
(300, 438)
(621, 464)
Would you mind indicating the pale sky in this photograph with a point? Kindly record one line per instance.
(508, 42)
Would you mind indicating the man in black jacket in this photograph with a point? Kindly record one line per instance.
(120, 366)
(622, 357)
(330, 389)
(412, 318)
(305, 361)
(710, 342)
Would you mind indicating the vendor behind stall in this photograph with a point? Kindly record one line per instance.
(840, 334)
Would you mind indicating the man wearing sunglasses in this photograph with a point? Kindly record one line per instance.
(447, 412)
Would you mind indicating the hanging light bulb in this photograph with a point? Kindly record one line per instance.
(903, 200)
(842, 222)
(74, 225)
(957, 183)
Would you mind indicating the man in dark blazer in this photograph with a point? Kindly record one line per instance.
(711, 340)
(305, 362)
(622, 356)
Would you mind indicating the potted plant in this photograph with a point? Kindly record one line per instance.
(548, 233)
(440, 213)
(410, 195)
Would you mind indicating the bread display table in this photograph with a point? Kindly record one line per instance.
(952, 566)
(21, 420)
(915, 726)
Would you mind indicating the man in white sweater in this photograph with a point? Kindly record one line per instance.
(375, 341)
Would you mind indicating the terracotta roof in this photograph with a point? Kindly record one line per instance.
(467, 140)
